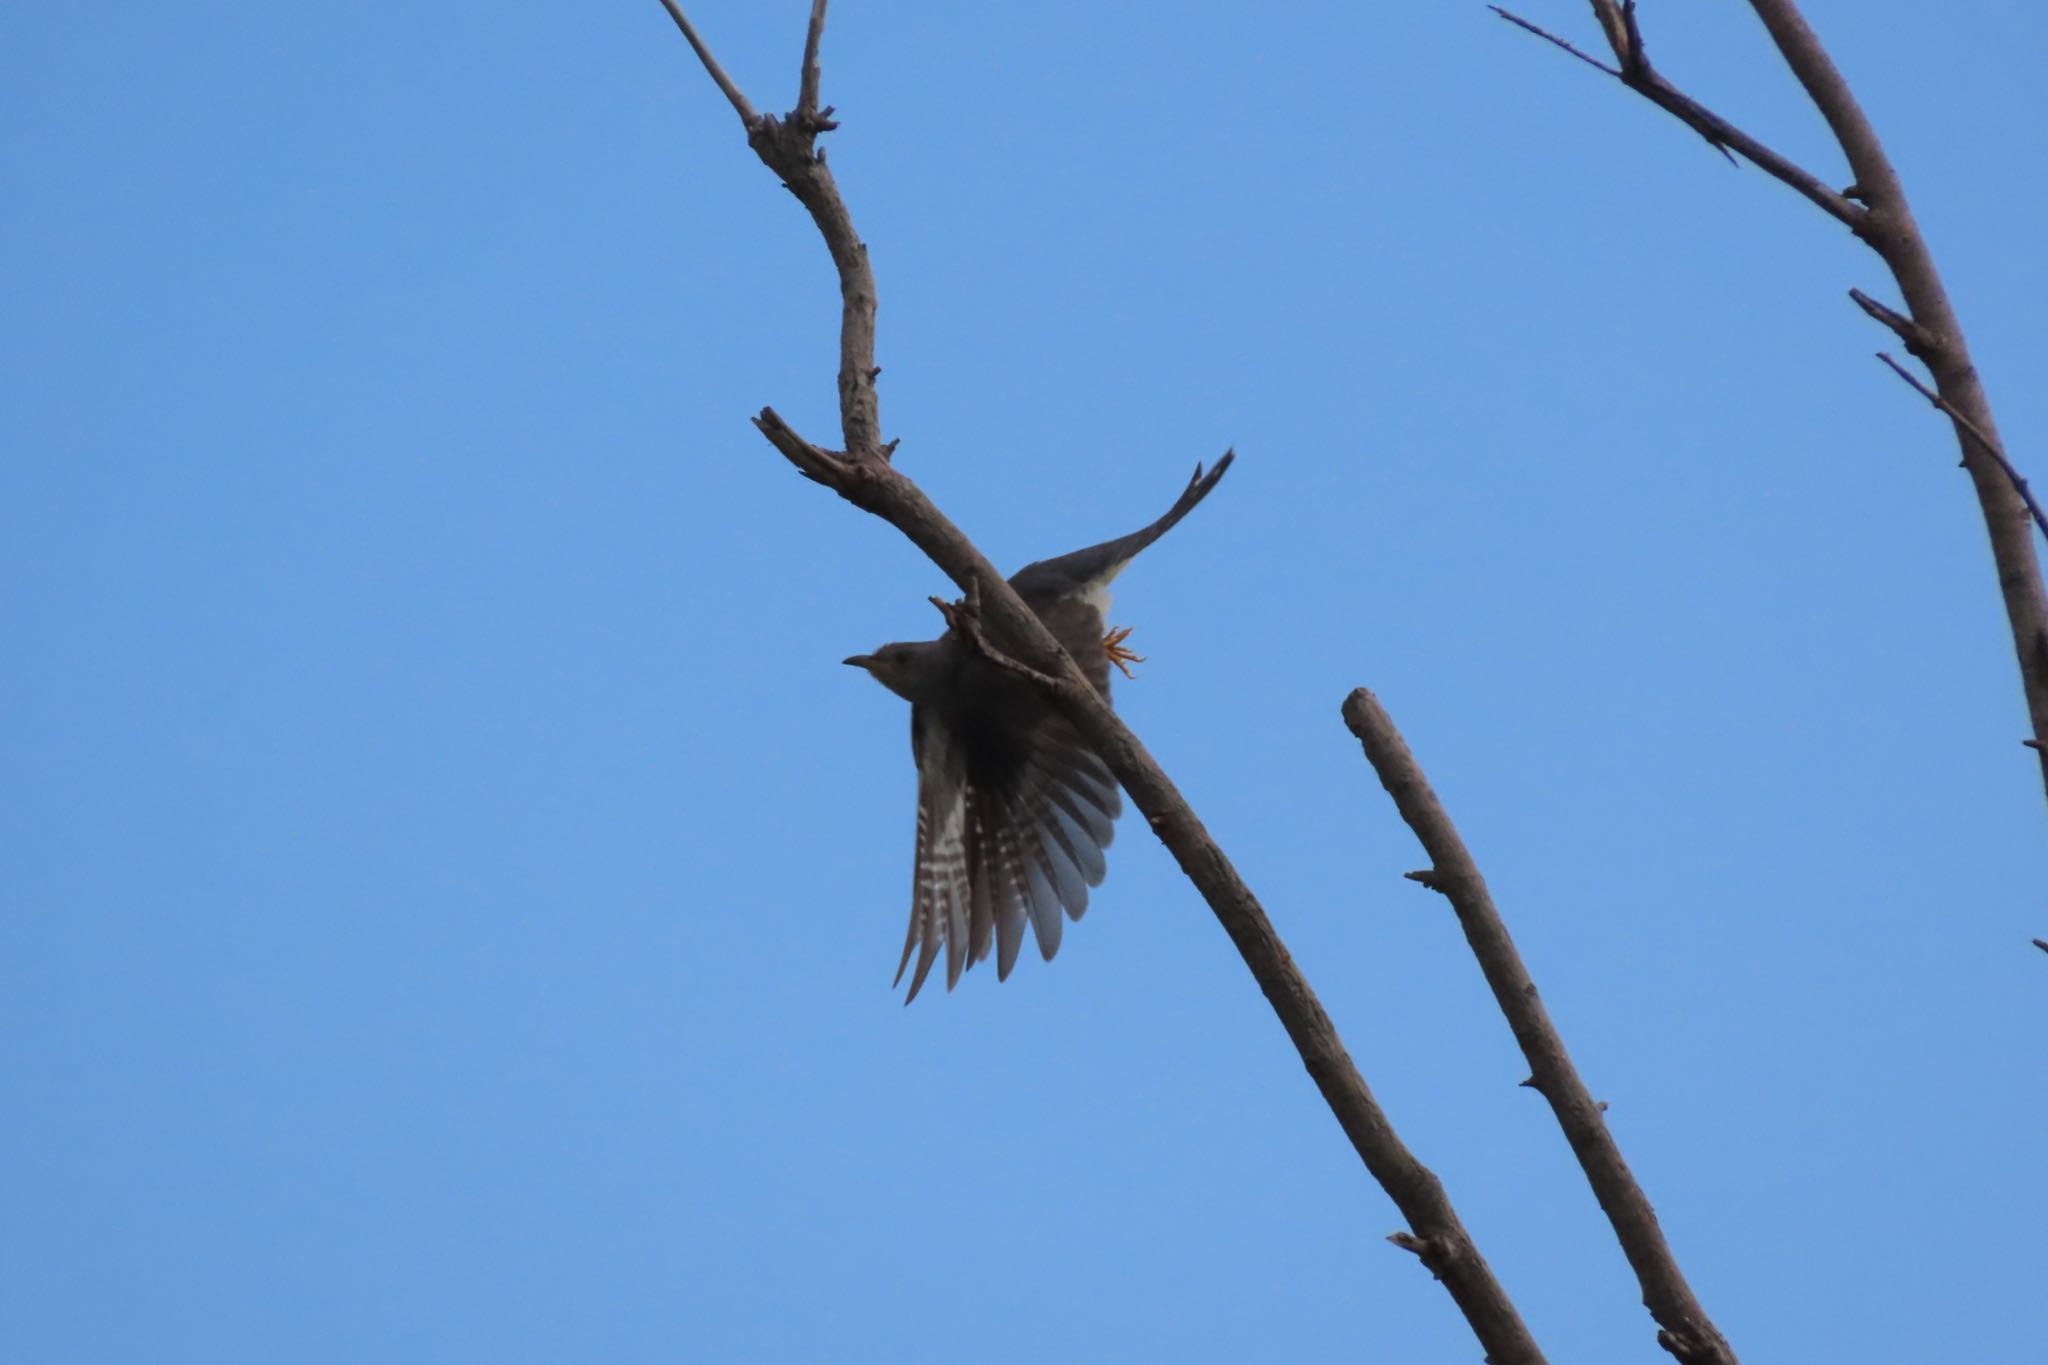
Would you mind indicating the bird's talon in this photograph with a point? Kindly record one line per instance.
(1113, 646)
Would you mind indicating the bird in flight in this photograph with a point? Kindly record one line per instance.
(1014, 809)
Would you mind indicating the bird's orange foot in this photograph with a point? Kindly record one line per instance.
(1113, 646)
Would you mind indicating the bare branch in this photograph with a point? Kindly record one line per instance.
(807, 81)
(1622, 38)
(1884, 221)
(2042, 944)
(813, 462)
(863, 475)
(1547, 36)
(789, 148)
(1687, 1332)
(2008, 508)
(1815, 70)
(1910, 332)
(1938, 401)
(786, 148)
(1975, 433)
(1638, 75)
(717, 72)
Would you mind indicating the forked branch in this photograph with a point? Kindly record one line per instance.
(863, 475)
(1874, 206)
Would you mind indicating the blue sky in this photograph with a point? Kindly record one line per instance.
(451, 886)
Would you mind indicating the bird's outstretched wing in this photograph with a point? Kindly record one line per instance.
(1013, 814)
(1089, 571)
(1070, 592)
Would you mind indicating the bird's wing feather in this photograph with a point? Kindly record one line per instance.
(940, 895)
(1097, 564)
(1012, 821)
(1054, 804)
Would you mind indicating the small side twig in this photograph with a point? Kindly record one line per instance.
(964, 617)
(1547, 36)
(1975, 433)
(1687, 1332)
(812, 461)
(1917, 339)
(711, 66)
(807, 81)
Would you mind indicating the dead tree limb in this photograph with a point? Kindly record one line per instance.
(1970, 429)
(1684, 1328)
(1874, 207)
(863, 475)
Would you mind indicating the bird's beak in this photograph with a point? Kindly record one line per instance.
(860, 661)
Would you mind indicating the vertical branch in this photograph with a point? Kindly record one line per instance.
(807, 81)
(789, 148)
(1939, 343)
(1686, 1330)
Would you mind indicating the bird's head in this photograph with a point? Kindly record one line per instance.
(915, 671)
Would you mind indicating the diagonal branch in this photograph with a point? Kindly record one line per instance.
(1547, 36)
(1975, 433)
(1916, 337)
(863, 475)
(711, 66)
(1436, 1234)
(1884, 222)
(1638, 75)
(1686, 1331)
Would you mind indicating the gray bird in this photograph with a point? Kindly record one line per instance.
(1013, 808)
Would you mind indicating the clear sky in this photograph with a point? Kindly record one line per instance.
(451, 886)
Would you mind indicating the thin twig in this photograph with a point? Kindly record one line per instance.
(1912, 333)
(807, 81)
(1547, 36)
(2042, 944)
(1975, 433)
(1687, 1331)
(1638, 75)
(1988, 446)
(717, 72)
(964, 616)
(864, 476)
